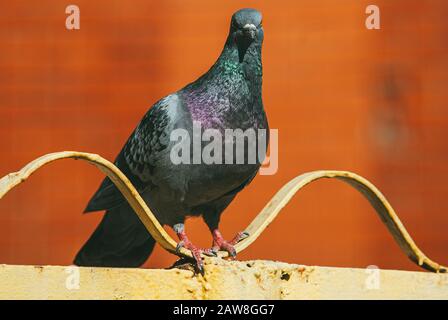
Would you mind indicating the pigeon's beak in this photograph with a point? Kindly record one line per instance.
(249, 31)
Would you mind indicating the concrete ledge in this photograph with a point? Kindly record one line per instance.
(222, 280)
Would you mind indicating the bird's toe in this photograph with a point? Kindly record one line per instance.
(239, 237)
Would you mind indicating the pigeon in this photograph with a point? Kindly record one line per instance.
(227, 96)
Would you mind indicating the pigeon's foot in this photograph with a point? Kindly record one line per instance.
(219, 243)
(195, 251)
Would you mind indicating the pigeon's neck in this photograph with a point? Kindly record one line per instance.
(233, 62)
(230, 92)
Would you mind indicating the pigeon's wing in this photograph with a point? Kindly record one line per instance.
(139, 155)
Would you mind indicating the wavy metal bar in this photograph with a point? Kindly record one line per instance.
(261, 221)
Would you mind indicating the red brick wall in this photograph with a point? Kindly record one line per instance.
(342, 97)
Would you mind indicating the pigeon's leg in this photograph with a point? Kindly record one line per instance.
(187, 244)
(219, 243)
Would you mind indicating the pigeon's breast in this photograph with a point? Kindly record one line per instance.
(224, 103)
(201, 181)
(220, 104)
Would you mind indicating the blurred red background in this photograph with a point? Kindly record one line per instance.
(341, 96)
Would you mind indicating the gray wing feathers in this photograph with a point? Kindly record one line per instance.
(138, 157)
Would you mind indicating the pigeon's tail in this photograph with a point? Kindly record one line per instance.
(120, 240)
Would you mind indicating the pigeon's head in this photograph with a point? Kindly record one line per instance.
(246, 28)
